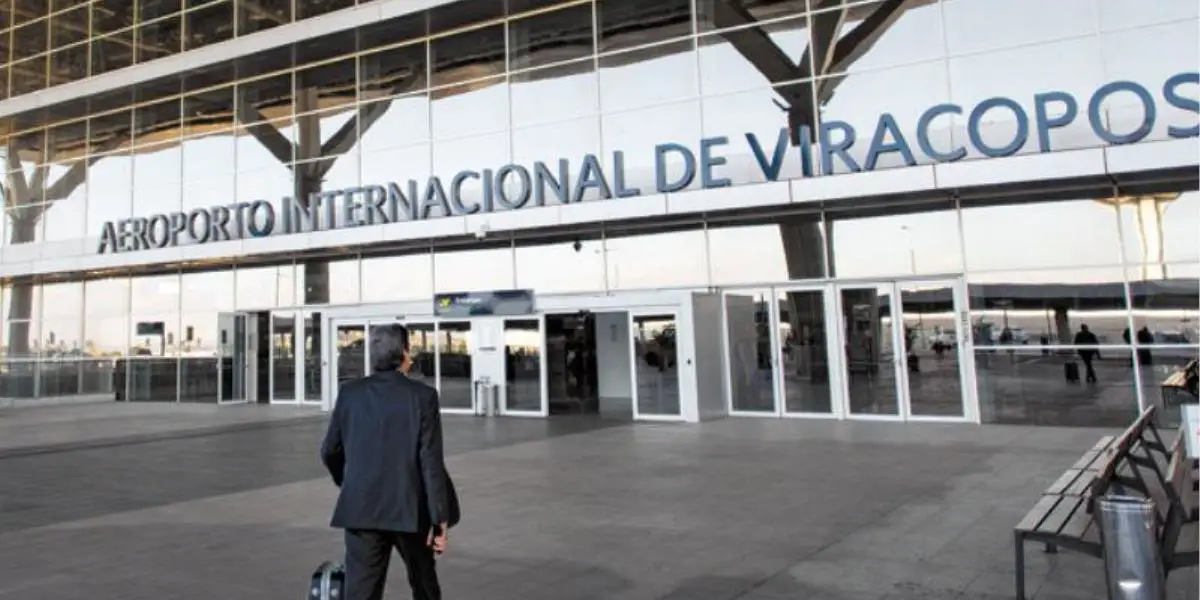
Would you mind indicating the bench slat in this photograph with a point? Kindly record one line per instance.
(1078, 525)
(1064, 481)
(1063, 510)
(1081, 486)
(1038, 513)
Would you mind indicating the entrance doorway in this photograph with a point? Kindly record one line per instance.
(458, 358)
(870, 350)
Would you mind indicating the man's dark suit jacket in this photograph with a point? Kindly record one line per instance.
(384, 450)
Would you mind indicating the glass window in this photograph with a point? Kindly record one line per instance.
(476, 153)
(406, 275)
(265, 287)
(155, 311)
(1030, 386)
(724, 69)
(650, 259)
(328, 281)
(393, 71)
(1048, 307)
(112, 52)
(474, 270)
(1131, 55)
(554, 94)
(570, 140)
(1166, 309)
(737, 116)
(575, 265)
(1159, 228)
(261, 15)
(404, 122)
(974, 26)
(743, 254)
(468, 56)
(648, 77)
(208, 24)
(69, 27)
(1130, 14)
(110, 191)
(470, 109)
(638, 133)
(1075, 233)
(712, 14)
(66, 218)
(106, 325)
(914, 36)
(111, 15)
(551, 37)
(208, 159)
(399, 165)
(629, 23)
(62, 319)
(312, 8)
(159, 39)
(206, 296)
(923, 241)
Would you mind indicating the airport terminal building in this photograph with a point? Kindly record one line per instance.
(961, 210)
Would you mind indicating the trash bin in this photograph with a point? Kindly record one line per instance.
(1133, 566)
(485, 397)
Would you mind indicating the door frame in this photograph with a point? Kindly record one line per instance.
(903, 393)
(543, 372)
(244, 319)
(297, 359)
(964, 348)
(674, 313)
(727, 355)
(834, 356)
(329, 350)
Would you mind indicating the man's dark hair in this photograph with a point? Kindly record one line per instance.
(388, 345)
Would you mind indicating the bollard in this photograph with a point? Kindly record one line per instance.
(1133, 567)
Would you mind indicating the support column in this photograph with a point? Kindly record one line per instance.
(804, 253)
(1062, 325)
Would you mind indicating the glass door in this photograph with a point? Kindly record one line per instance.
(935, 371)
(455, 371)
(871, 365)
(804, 351)
(655, 366)
(524, 379)
(233, 359)
(283, 358)
(750, 357)
(349, 360)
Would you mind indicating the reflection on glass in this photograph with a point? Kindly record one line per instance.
(283, 357)
(399, 277)
(805, 354)
(350, 348)
(657, 367)
(312, 357)
(474, 270)
(199, 379)
(1168, 310)
(234, 357)
(1158, 229)
(1032, 386)
(575, 266)
(152, 379)
(870, 355)
(97, 378)
(1047, 307)
(1076, 233)
(58, 378)
(925, 242)
(931, 348)
(748, 335)
(656, 260)
(522, 365)
(454, 356)
(422, 342)
(18, 379)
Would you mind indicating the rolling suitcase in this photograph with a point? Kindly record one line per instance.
(1071, 369)
(328, 582)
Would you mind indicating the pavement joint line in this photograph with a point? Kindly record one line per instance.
(149, 438)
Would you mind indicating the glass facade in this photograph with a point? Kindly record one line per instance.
(468, 87)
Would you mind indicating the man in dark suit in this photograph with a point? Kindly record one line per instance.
(384, 450)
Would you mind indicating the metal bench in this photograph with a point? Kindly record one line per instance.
(1138, 462)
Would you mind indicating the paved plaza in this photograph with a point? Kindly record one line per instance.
(150, 502)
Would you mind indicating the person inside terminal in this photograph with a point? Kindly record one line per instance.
(675, 210)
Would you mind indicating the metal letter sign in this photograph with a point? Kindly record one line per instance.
(676, 167)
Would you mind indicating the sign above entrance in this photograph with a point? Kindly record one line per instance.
(676, 165)
(500, 303)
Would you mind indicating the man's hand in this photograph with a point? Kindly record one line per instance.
(438, 536)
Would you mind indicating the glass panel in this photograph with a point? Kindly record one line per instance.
(422, 343)
(454, 355)
(233, 357)
(97, 378)
(17, 379)
(657, 369)
(870, 355)
(351, 353)
(1048, 306)
(199, 378)
(312, 357)
(58, 378)
(1039, 386)
(283, 356)
(523, 365)
(931, 344)
(152, 379)
(805, 358)
(751, 367)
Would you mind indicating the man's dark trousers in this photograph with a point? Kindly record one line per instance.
(368, 554)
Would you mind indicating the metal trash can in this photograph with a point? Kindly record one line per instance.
(1133, 567)
(485, 397)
